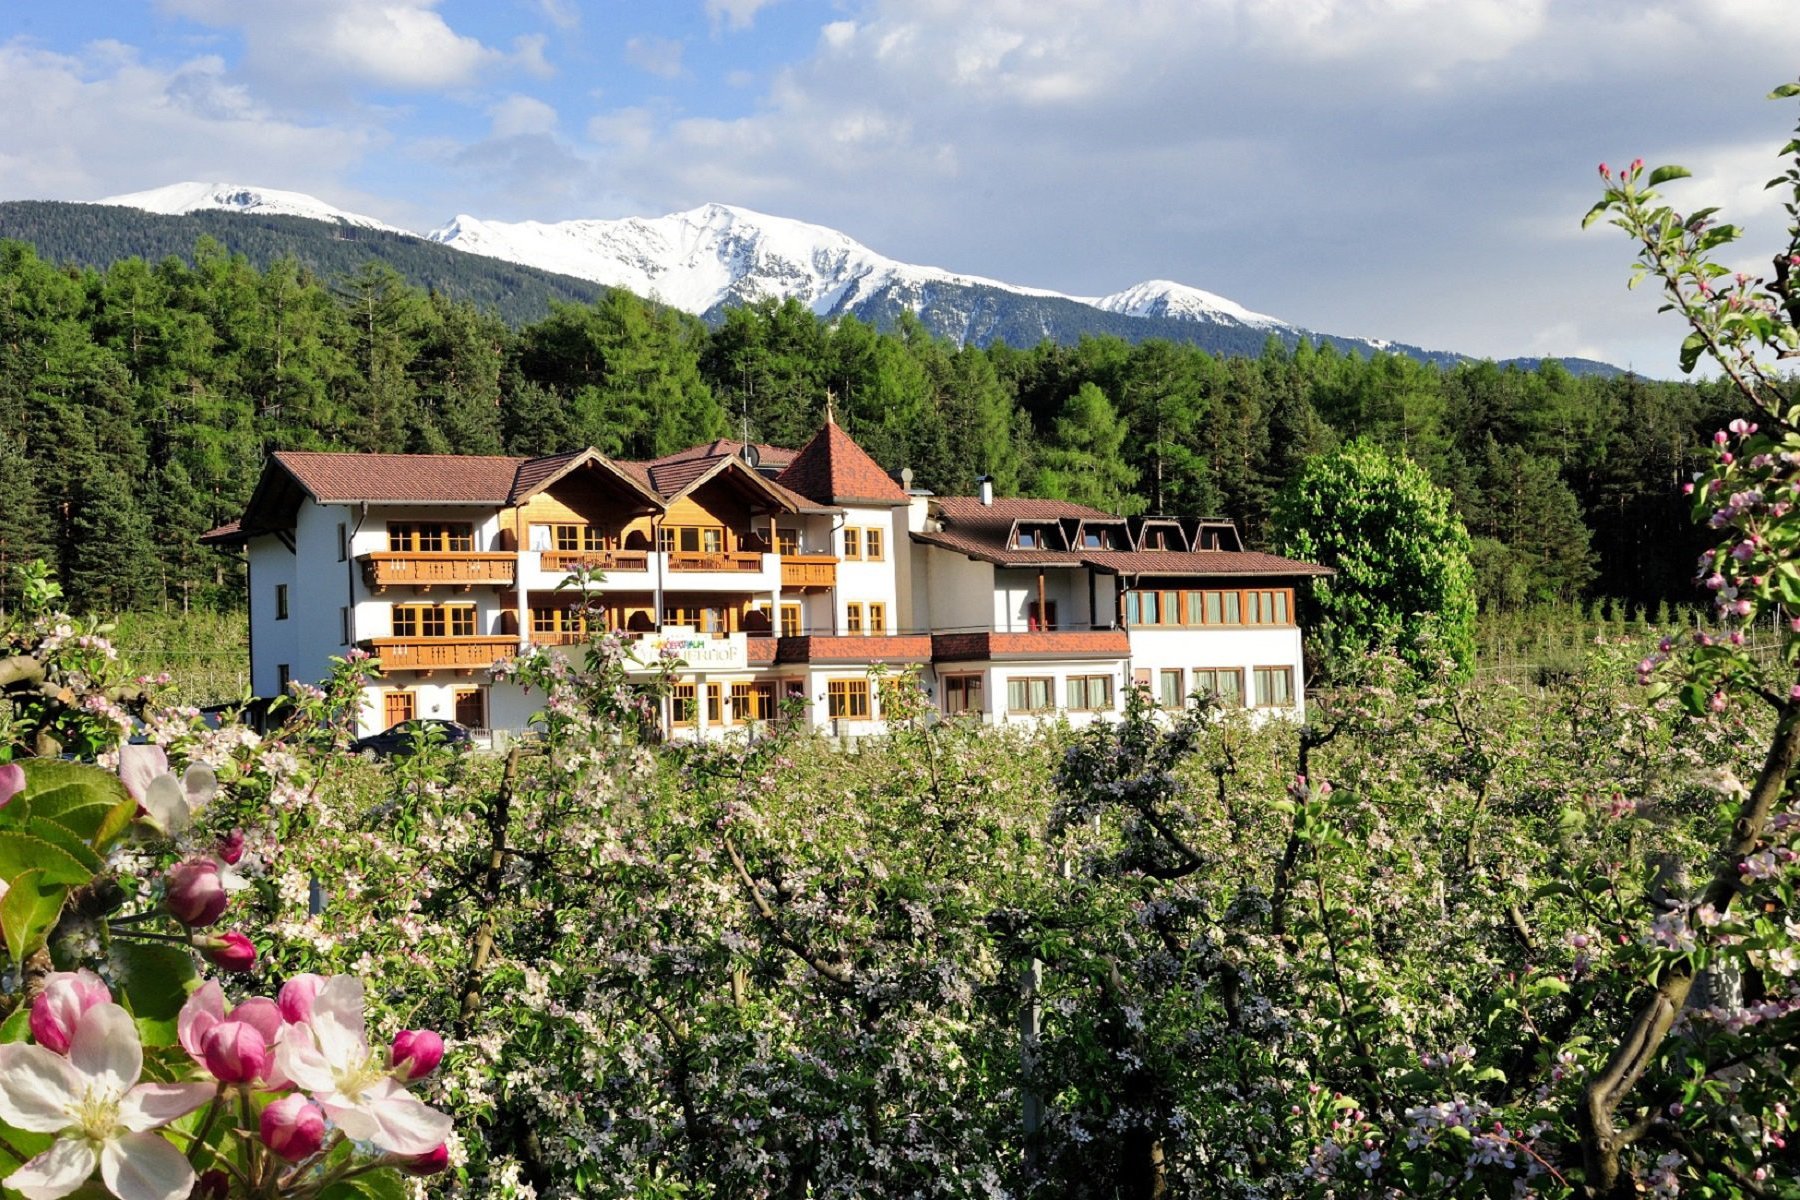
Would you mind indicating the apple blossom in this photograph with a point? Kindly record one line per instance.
(429, 1163)
(195, 896)
(101, 1114)
(229, 952)
(296, 997)
(12, 782)
(293, 1127)
(169, 804)
(58, 1008)
(415, 1053)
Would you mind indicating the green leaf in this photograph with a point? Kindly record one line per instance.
(1785, 91)
(77, 796)
(1662, 175)
(117, 820)
(157, 976)
(22, 852)
(1691, 350)
(28, 912)
(1595, 213)
(385, 1184)
(65, 838)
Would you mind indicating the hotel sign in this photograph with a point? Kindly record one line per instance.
(698, 652)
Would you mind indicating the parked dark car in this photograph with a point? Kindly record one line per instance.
(406, 737)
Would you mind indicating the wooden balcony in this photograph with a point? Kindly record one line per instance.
(608, 562)
(735, 560)
(802, 572)
(465, 655)
(420, 570)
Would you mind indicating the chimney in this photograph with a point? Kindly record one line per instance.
(987, 490)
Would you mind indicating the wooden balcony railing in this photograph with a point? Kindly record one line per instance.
(610, 562)
(689, 560)
(383, 569)
(441, 654)
(808, 571)
(557, 637)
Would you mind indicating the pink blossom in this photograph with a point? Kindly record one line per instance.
(231, 848)
(293, 1127)
(296, 997)
(231, 952)
(12, 782)
(194, 895)
(235, 1052)
(429, 1163)
(415, 1053)
(60, 1005)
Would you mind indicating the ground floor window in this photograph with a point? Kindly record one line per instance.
(1274, 687)
(684, 705)
(847, 699)
(1029, 693)
(1170, 694)
(471, 707)
(962, 693)
(398, 706)
(753, 702)
(1227, 683)
(1090, 692)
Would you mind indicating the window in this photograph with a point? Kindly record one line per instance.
(1090, 692)
(714, 714)
(344, 621)
(429, 537)
(683, 707)
(1028, 693)
(877, 618)
(470, 707)
(753, 702)
(1026, 538)
(1037, 619)
(853, 617)
(283, 676)
(1170, 694)
(787, 541)
(1274, 687)
(281, 602)
(790, 620)
(872, 545)
(691, 539)
(570, 539)
(1097, 539)
(1227, 683)
(555, 622)
(852, 542)
(397, 707)
(962, 693)
(434, 620)
(343, 542)
(702, 619)
(847, 699)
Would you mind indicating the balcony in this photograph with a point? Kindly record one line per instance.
(801, 572)
(462, 654)
(1052, 643)
(733, 560)
(608, 562)
(419, 570)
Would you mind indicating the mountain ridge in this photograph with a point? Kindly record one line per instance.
(716, 256)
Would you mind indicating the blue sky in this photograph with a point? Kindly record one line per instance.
(1409, 169)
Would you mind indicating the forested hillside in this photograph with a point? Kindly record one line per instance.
(137, 403)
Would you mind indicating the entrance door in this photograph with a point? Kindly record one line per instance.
(399, 706)
(471, 708)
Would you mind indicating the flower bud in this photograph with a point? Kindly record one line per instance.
(66, 995)
(232, 952)
(212, 1185)
(415, 1054)
(296, 997)
(195, 896)
(429, 1163)
(231, 848)
(12, 782)
(235, 1052)
(293, 1127)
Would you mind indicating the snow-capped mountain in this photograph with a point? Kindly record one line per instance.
(717, 256)
(179, 198)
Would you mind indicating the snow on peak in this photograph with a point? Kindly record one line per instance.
(1165, 298)
(180, 198)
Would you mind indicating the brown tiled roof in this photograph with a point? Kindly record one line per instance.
(334, 478)
(1199, 562)
(833, 469)
(903, 648)
(532, 473)
(224, 535)
(774, 457)
(986, 540)
(1013, 508)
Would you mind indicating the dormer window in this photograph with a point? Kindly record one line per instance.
(1097, 539)
(1031, 537)
(1028, 539)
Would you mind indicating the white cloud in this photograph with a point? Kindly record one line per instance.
(659, 56)
(564, 14)
(516, 116)
(735, 14)
(301, 44)
(102, 122)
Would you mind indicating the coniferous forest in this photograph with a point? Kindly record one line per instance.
(137, 403)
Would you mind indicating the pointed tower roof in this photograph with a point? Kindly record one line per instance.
(833, 469)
